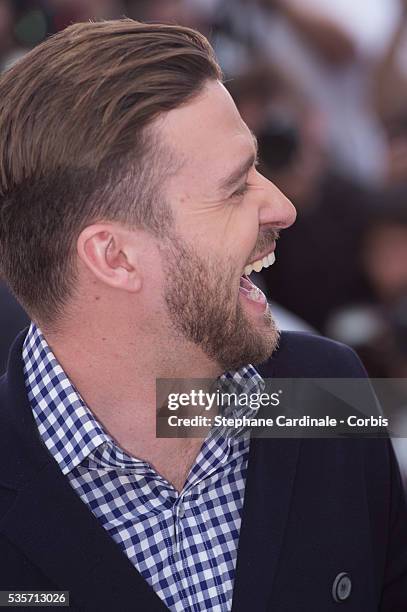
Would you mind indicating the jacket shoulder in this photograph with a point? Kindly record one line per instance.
(306, 355)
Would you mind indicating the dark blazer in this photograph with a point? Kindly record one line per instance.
(12, 320)
(313, 509)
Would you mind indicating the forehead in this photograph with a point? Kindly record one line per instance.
(208, 134)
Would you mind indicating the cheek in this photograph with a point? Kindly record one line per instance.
(154, 277)
(244, 237)
(243, 216)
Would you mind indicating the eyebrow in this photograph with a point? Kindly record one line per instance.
(236, 175)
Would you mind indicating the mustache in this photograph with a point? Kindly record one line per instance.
(265, 242)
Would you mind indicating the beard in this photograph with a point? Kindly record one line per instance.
(203, 305)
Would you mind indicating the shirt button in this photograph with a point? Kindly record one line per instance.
(180, 510)
(341, 587)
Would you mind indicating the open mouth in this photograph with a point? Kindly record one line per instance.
(247, 289)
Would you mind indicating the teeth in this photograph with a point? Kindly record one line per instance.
(260, 263)
(256, 295)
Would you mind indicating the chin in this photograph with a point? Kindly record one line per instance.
(254, 342)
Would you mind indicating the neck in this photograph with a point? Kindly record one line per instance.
(115, 371)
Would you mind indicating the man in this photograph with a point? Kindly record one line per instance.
(130, 209)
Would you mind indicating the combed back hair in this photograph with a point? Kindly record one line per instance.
(78, 145)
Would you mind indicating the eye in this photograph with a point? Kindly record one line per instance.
(241, 191)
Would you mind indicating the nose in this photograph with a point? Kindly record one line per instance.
(275, 208)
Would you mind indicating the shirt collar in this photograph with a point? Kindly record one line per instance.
(67, 426)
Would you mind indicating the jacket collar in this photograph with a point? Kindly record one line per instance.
(59, 534)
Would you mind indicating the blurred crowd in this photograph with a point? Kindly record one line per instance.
(323, 84)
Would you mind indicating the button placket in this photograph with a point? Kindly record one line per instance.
(178, 515)
(181, 510)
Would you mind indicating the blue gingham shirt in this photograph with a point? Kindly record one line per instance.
(184, 543)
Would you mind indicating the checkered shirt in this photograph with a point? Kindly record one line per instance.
(184, 543)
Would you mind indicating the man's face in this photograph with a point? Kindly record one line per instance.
(226, 216)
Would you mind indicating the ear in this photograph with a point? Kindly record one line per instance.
(109, 251)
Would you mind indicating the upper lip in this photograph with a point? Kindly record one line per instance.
(262, 255)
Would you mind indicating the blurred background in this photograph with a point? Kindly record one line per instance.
(323, 84)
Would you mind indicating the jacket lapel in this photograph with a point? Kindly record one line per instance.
(50, 523)
(60, 535)
(269, 484)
